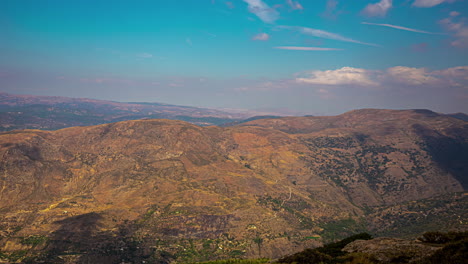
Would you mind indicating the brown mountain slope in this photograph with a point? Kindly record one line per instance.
(157, 190)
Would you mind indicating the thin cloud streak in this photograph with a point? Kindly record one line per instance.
(430, 3)
(402, 28)
(304, 48)
(324, 34)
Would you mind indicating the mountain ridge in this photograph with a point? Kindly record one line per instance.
(265, 188)
(55, 112)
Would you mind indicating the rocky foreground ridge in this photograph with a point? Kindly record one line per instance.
(430, 248)
(162, 190)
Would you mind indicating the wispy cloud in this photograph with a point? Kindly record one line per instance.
(126, 55)
(378, 9)
(106, 80)
(261, 37)
(324, 34)
(460, 72)
(458, 28)
(411, 76)
(401, 28)
(230, 5)
(419, 47)
(295, 5)
(268, 85)
(266, 13)
(208, 33)
(430, 3)
(305, 48)
(189, 41)
(330, 11)
(144, 55)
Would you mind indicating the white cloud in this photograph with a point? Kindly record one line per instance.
(295, 5)
(189, 41)
(261, 37)
(378, 9)
(454, 13)
(459, 29)
(305, 48)
(343, 76)
(456, 76)
(391, 80)
(460, 72)
(323, 34)
(262, 11)
(396, 87)
(399, 27)
(430, 3)
(411, 76)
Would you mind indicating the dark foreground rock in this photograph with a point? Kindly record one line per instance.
(392, 250)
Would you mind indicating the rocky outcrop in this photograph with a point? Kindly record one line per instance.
(392, 250)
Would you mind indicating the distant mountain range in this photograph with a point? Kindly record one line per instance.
(52, 112)
(165, 190)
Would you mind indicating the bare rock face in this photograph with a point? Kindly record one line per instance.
(392, 250)
(164, 190)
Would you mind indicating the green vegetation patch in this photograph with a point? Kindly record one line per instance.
(34, 240)
(16, 255)
(341, 229)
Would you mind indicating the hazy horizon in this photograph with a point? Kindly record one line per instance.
(314, 57)
(253, 111)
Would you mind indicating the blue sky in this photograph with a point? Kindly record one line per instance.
(311, 56)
